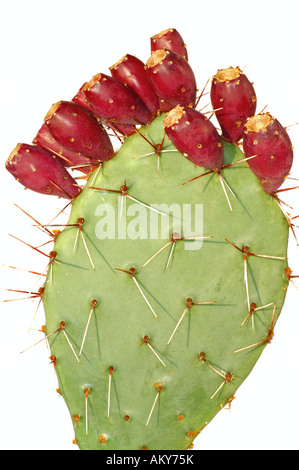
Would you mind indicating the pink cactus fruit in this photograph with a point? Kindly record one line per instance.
(233, 96)
(123, 129)
(169, 39)
(68, 158)
(195, 137)
(132, 72)
(80, 98)
(112, 101)
(78, 129)
(266, 138)
(39, 170)
(172, 78)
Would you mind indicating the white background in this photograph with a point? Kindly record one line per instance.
(48, 49)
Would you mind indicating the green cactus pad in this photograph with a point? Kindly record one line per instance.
(161, 391)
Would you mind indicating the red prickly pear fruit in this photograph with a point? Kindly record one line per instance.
(169, 39)
(271, 186)
(67, 157)
(124, 129)
(132, 72)
(234, 93)
(80, 98)
(39, 170)
(195, 137)
(112, 101)
(172, 78)
(266, 138)
(79, 130)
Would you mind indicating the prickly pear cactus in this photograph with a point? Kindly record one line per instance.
(157, 298)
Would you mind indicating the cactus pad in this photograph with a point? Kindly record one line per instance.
(145, 358)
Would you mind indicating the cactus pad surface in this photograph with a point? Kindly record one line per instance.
(139, 365)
